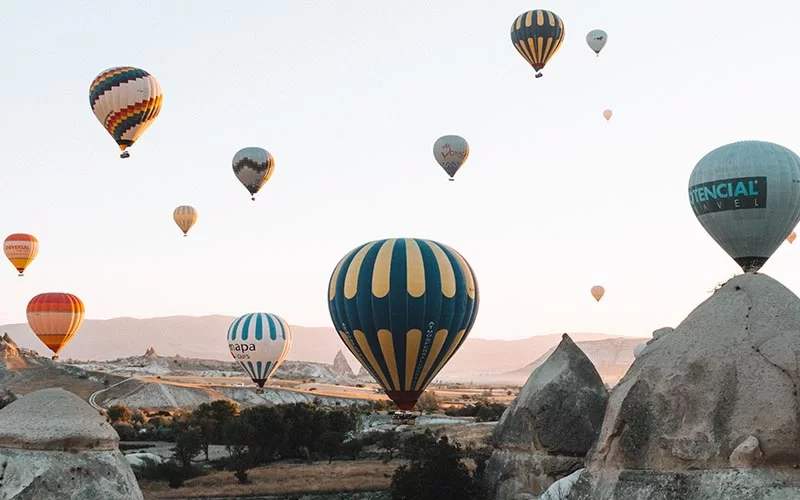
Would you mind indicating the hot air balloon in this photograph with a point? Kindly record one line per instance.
(21, 249)
(596, 39)
(253, 167)
(537, 36)
(747, 196)
(185, 216)
(403, 307)
(451, 151)
(598, 292)
(791, 237)
(125, 100)
(54, 318)
(260, 342)
(607, 114)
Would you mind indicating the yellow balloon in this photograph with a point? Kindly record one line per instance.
(185, 216)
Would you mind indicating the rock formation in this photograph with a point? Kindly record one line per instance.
(341, 366)
(546, 432)
(150, 354)
(710, 411)
(53, 445)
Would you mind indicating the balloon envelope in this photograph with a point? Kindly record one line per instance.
(537, 36)
(21, 249)
(607, 114)
(253, 166)
(598, 292)
(55, 318)
(125, 100)
(260, 343)
(451, 151)
(596, 39)
(185, 216)
(747, 196)
(403, 307)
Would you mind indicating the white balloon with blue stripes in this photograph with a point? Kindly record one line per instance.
(260, 342)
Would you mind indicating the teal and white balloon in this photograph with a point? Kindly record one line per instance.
(747, 196)
(451, 151)
(260, 342)
(596, 39)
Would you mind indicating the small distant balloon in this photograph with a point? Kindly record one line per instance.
(747, 197)
(607, 114)
(55, 318)
(598, 292)
(537, 36)
(260, 343)
(21, 249)
(185, 216)
(791, 237)
(126, 101)
(451, 151)
(596, 39)
(253, 166)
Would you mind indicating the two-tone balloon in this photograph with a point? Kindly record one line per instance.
(185, 216)
(260, 343)
(253, 166)
(403, 307)
(537, 35)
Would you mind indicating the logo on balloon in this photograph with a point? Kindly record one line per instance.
(728, 194)
(238, 351)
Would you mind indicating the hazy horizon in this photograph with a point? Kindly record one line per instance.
(349, 99)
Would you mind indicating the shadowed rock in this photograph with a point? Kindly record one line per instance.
(720, 391)
(53, 445)
(548, 429)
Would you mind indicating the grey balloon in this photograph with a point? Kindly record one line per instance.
(747, 196)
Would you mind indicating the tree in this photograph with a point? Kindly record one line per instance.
(210, 418)
(436, 472)
(187, 446)
(119, 413)
(330, 444)
(238, 435)
(352, 448)
(428, 402)
(389, 441)
(125, 431)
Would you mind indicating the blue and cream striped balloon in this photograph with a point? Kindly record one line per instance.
(260, 342)
(403, 307)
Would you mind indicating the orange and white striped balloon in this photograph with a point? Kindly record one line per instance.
(55, 318)
(185, 216)
(21, 249)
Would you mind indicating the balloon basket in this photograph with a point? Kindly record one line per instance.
(20, 275)
(253, 198)
(260, 390)
(451, 179)
(125, 154)
(55, 358)
(185, 235)
(538, 75)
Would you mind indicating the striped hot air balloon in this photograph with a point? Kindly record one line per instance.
(253, 166)
(537, 35)
(403, 307)
(126, 101)
(185, 216)
(260, 342)
(55, 318)
(21, 249)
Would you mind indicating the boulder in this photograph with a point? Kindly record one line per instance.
(547, 430)
(54, 445)
(686, 411)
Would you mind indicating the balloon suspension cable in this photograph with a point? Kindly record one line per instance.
(125, 154)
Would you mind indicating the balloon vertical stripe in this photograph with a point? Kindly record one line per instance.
(402, 307)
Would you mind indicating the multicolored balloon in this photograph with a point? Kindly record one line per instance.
(21, 249)
(55, 318)
(185, 216)
(253, 166)
(598, 292)
(403, 307)
(596, 39)
(126, 101)
(747, 197)
(260, 342)
(451, 151)
(537, 35)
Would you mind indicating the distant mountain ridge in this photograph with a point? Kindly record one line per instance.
(204, 337)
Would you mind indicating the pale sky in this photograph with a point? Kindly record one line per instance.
(349, 97)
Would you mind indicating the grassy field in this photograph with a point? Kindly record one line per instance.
(283, 479)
